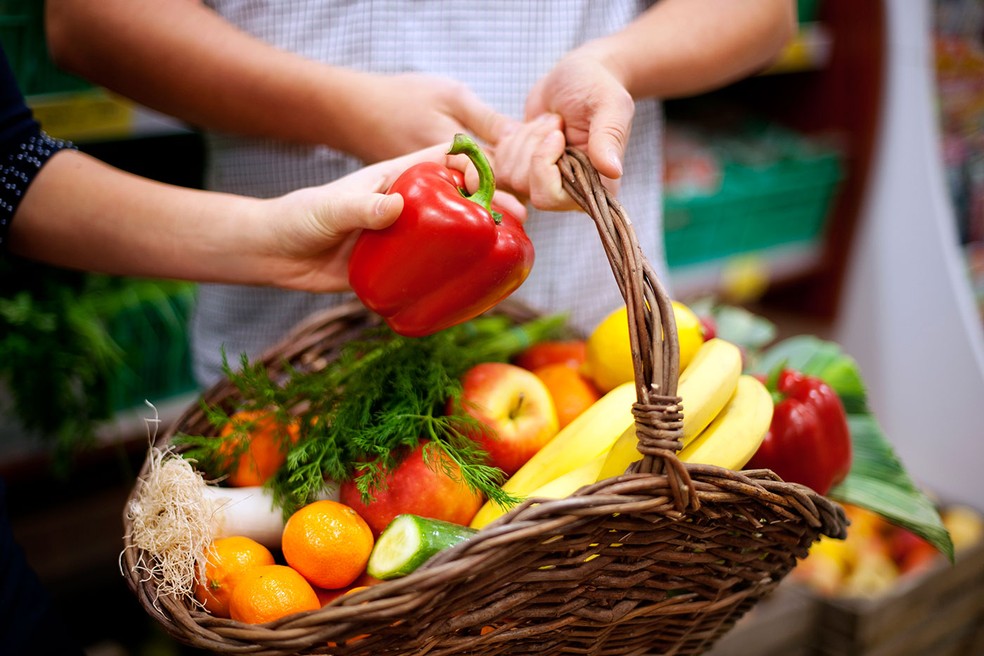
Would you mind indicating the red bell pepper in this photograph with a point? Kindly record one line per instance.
(448, 257)
(809, 440)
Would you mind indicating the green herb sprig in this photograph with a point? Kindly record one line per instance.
(362, 412)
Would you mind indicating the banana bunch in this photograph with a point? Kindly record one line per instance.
(726, 415)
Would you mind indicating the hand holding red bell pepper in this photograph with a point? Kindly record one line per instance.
(809, 440)
(448, 257)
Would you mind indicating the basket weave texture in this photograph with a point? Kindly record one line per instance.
(663, 559)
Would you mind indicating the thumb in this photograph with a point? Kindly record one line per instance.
(386, 208)
(350, 212)
(608, 137)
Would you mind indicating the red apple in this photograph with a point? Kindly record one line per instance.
(515, 411)
(419, 485)
(571, 352)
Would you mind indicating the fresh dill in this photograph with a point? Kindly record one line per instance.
(384, 394)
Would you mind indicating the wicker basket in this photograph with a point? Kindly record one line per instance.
(661, 560)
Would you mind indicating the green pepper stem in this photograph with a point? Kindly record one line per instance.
(465, 145)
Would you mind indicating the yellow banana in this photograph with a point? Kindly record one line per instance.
(707, 383)
(622, 454)
(736, 433)
(589, 435)
(562, 486)
(705, 387)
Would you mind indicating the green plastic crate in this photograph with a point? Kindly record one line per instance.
(23, 39)
(807, 10)
(757, 207)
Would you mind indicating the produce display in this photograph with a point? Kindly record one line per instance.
(877, 556)
(491, 425)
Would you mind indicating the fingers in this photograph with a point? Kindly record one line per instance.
(546, 187)
(486, 124)
(514, 154)
(608, 134)
(349, 212)
(386, 208)
(316, 220)
(506, 202)
(503, 200)
(527, 163)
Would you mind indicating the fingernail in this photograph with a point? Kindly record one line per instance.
(385, 204)
(615, 161)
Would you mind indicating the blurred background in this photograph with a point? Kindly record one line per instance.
(839, 193)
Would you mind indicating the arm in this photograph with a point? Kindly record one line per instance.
(676, 48)
(685, 47)
(181, 58)
(81, 213)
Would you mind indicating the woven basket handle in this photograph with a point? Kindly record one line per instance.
(652, 325)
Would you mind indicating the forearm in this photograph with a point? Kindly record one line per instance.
(80, 213)
(685, 47)
(181, 58)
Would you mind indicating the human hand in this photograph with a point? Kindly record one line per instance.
(381, 127)
(311, 232)
(525, 162)
(580, 103)
(594, 104)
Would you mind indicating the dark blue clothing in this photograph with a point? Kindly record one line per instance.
(17, 123)
(29, 623)
(24, 147)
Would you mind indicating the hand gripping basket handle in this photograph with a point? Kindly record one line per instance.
(652, 328)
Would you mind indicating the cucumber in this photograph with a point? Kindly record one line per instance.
(409, 541)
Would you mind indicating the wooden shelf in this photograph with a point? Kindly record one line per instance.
(831, 85)
(779, 265)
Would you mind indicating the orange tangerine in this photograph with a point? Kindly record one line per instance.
(228, 559)
(328, 542)
(572, 352)
(572, 392)
(269, 592)
(266, 443)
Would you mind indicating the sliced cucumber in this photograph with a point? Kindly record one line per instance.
(409, 541)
